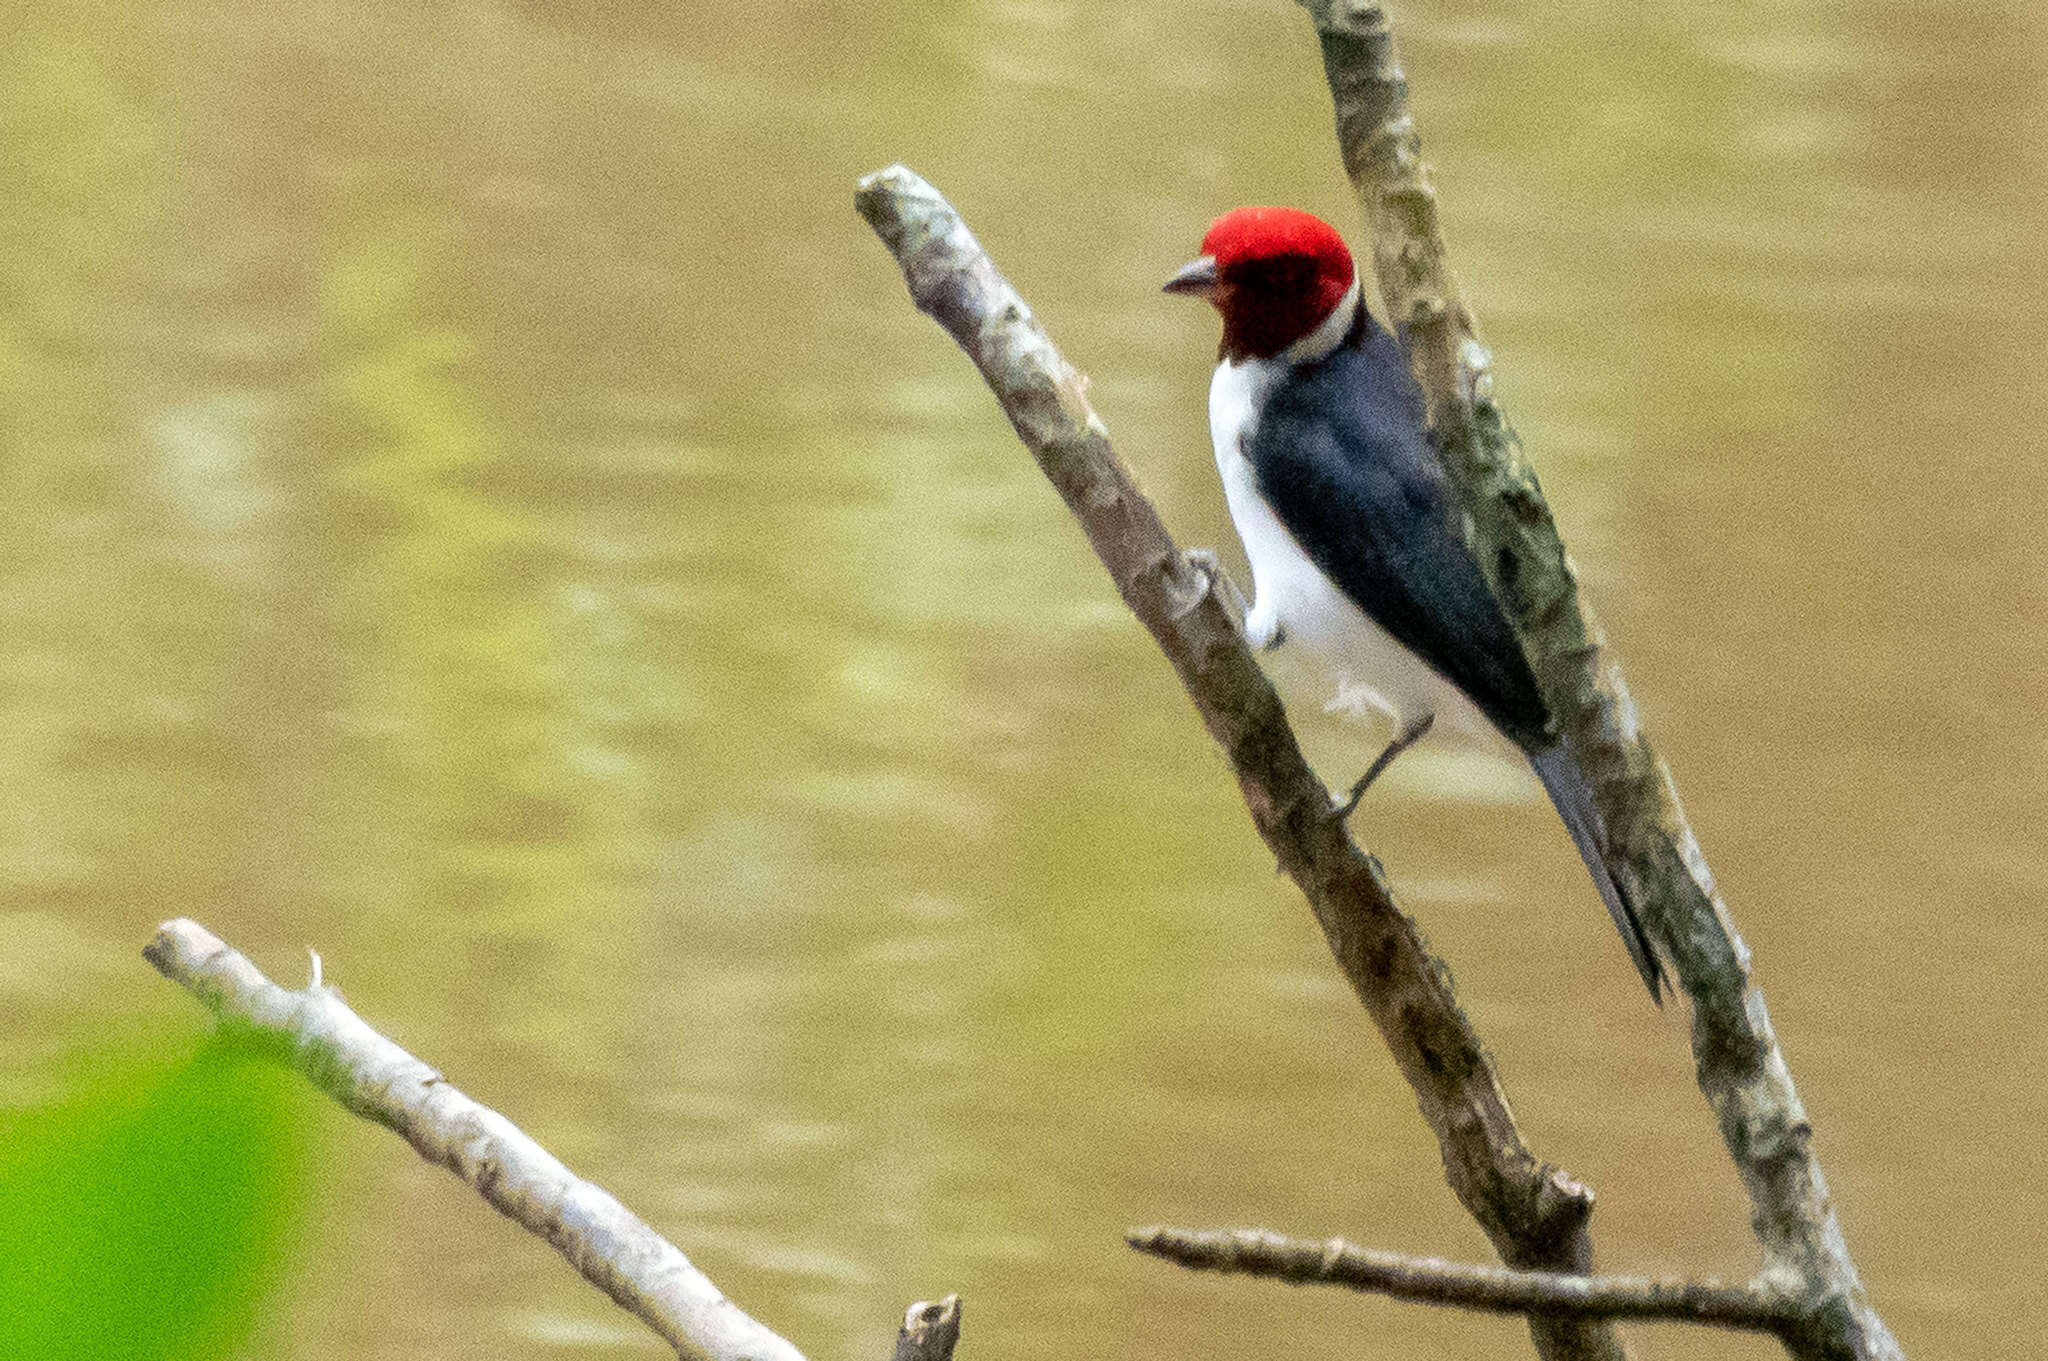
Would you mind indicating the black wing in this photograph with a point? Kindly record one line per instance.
(1340, 451)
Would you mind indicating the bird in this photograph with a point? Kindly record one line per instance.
(1340, 500)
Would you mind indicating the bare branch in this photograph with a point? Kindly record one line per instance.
(1492, 1289)
(613, 1249)
(930, 1330)
(1650, 845)
(1534, 1213)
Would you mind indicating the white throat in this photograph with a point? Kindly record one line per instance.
(1329, 333)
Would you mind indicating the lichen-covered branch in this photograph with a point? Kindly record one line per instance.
(1534, 1213)
(1650, 845)
(930, 1331)
(1461, 1285)
(613, 1249)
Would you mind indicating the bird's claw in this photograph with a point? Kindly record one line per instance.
(1404, 739)
(1205, 561)
(1260, 634)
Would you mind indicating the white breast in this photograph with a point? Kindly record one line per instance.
(1370, 669)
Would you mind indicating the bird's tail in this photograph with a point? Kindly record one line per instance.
(1573, 798)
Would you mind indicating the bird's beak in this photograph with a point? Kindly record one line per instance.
(1195, 279)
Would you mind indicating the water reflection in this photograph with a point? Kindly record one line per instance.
(478, 502)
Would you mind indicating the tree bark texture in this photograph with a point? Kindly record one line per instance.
(1460, 1285)
(931, 1330)
(1650, 845)
(607, 1243)
(1535, 1214)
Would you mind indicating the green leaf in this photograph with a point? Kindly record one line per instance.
(150, 1215)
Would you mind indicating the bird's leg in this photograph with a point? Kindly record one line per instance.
(1205, 561)
(1403, 739)
(1260, 635)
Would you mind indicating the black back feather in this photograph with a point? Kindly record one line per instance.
(1340, 451)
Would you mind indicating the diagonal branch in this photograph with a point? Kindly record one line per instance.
(612, 1247)
(1461, 1285)
(1651, 846)
(1534, 1213)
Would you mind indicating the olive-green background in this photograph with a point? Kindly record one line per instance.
(475, 500)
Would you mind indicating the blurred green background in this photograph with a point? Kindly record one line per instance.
(474, 499)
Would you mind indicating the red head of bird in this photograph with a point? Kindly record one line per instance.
(1274, 273)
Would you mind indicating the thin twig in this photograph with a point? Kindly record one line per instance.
(613, 1249)
(1651, 847)
(1493, 1289)
(1534, 1213)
